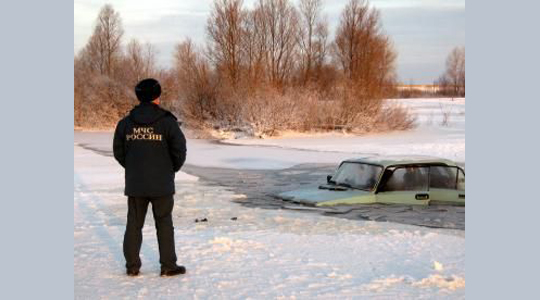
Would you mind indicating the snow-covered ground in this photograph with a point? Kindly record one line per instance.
(266, 253)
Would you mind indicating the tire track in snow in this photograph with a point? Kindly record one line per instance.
(99, 224)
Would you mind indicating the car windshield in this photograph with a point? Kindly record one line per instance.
(357, 175)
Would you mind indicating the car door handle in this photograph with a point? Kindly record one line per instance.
(422, 196)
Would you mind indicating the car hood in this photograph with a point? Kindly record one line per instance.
(315, 196)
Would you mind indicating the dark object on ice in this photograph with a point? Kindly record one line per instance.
(177, 270)
(132, 272)
(201, 220)
(234, 218)
(148, 90)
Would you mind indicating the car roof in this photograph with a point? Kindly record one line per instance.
(396, 160)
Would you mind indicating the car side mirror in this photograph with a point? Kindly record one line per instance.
(328, 178)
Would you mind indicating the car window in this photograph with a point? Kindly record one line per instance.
(358, 175)
(461, 181)
(441, 177)
(407, 179)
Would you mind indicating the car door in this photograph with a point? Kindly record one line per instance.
(405, 185)
(446, 185)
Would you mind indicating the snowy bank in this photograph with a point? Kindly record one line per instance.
(440, 132)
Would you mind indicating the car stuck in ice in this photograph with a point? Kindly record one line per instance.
(390, 180)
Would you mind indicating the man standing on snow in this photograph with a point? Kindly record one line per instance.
(150, 146)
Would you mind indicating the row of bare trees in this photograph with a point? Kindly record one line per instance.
(268, 68)
(272, 43)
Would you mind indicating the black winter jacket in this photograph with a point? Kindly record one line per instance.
(150, 146)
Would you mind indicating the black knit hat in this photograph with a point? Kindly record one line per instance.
(148, 90)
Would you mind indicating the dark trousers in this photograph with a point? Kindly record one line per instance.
(162, 209)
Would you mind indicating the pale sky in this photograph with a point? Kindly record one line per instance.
(423, 31)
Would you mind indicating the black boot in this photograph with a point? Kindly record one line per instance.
(132, 272)
(173, 272)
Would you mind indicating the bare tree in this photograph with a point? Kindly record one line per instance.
(363, 51)
(224, 29)
(320, 45)
(102, 96)
(312, 38)
(254, 47)
(454, 77)
(280, 20)
(195, 85)
(140, 61)
(104, 47)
